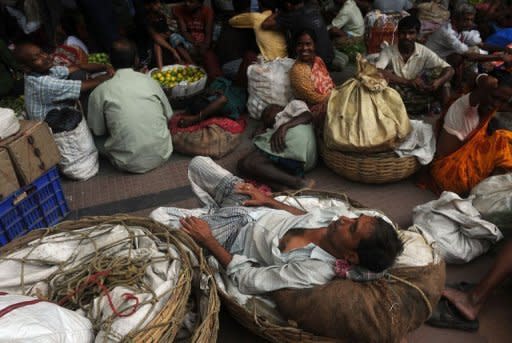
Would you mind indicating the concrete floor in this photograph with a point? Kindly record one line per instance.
(113, 192)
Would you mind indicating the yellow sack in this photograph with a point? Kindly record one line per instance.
(364, 114)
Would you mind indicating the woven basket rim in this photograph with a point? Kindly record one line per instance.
(206, 331)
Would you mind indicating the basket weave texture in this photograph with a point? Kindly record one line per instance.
(383, 167)
(166, 324)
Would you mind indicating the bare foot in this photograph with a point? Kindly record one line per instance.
(462, 302)
(188, 120)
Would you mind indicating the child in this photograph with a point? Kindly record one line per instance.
(286, 150)
(47, 87)
(196, 25)
(164, 36)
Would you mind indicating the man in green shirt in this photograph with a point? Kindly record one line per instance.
(130, 113)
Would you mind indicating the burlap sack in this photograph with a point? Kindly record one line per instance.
(210, 141)
(379, 311)
(364, 114)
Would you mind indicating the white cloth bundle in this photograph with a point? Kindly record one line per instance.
(9, 124)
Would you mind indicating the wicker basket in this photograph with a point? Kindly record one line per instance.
(260, 325)
(166, 324)
(384, 167)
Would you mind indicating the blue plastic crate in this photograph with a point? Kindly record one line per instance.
(40, 204)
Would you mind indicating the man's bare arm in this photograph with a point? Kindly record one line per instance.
(258, 198)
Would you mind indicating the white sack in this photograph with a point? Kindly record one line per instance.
(456, 227)
(493, 199)
(269, 83)
(42, 322)
(421, 143)
(9, 124)
(79, 155)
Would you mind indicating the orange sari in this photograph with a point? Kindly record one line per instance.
(464, 168)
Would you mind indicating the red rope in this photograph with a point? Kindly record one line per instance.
(95, 279)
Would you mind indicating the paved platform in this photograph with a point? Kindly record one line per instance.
(112, 192)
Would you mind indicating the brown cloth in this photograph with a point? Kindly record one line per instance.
(210, 141)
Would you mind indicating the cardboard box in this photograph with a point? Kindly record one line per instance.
(32, 150)
(8, 180)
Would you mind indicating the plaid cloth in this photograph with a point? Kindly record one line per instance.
(44, 93)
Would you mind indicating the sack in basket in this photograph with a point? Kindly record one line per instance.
(364, 114)
(204, 140)
(269, 83)
(378, 311)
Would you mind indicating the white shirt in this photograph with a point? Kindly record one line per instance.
(461, 118)
(258, 266)
(421, 59)
(446, 41)
(350, 19)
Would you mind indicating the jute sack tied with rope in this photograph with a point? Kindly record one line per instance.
(378, 311)
(364, 114)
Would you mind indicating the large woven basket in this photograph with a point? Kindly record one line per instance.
(259, 324)
(164, 327)
(383, 167)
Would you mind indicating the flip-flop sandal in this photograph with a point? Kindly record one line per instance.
(446, 316)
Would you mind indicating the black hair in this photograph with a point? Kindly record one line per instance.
(147, 2)
(294, 2)
(304, 31)
(123, 54)
(380, 250)
(269, 4)
(241, 5)
(409, 23)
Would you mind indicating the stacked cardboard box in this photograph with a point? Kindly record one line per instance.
(26, 155)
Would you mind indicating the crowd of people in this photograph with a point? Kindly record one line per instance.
(461, 70)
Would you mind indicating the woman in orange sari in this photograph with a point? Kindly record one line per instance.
(309, 78)
(466, 153)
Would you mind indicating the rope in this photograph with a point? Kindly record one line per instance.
(422, 294)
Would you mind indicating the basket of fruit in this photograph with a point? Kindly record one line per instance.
(179, 81)
(99, 57)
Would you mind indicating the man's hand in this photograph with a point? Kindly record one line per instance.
(199, 230)
(419, 84)
(258, 198)
(278, 139)
(335, 32)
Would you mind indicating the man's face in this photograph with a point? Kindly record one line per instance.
(346, 233)
(406, 40)
(467, 22)
(36, 60)
(153, 7)
(499, 97)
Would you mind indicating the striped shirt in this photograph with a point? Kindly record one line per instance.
(44, 93)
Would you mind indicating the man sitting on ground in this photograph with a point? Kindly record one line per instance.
(466, 154)
(277, 246)
(347, 29)
(47, 87)
(415, 71)
(457, 43)
(130, 112)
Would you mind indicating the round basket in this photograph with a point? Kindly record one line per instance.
(383, 167)
(166, 324)
(184, 89)
(260, 325)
